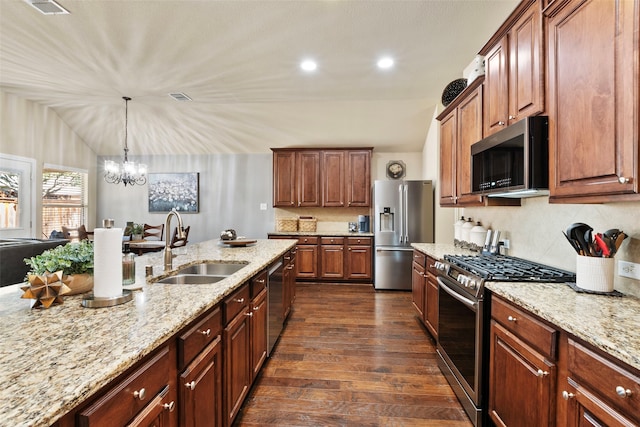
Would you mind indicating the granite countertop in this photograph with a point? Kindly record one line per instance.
(321, 233)
(607, 322)
(52, 360)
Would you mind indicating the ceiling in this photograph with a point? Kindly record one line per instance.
(239, 62)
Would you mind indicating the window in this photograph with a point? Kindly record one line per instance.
(17, 212)
(64, 199)
(9, 192)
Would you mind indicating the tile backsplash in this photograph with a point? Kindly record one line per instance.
(329, 219)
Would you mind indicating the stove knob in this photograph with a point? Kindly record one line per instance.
(461, 278)
(473, 284)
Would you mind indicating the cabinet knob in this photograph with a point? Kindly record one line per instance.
(542, 373)
(140, 394)
(623, 180)
(206, 333)
(170, 406)
(511, 319)
(256, 308)
(250, 314)
(623, 392)
(239, 300)
(512, 117)
(566, 395)
(500, 123)
(191, 385)
(292, 204)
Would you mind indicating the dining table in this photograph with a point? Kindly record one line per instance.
(144, 246)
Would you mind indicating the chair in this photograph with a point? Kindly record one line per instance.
(175, 241)
(76, 234)
(153, 232)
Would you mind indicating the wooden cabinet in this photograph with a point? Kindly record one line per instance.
(418, 283)
(237, 352)
(331, 257)
(321, 177)
(258, 321)
(593, 98)
(431, 298)
(514, 78)
(307, 258)
(359, 258)
(598, 391)
(140, 396)
(200, 381)
(460, 127)
(289, 281)
(522, 369)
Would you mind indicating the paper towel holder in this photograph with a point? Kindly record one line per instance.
(95, 302)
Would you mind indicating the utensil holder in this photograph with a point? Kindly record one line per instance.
(595, 273)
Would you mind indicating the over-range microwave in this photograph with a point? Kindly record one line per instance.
(513, 162)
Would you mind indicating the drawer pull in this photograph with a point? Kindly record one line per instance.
(542, 373)
(249, 314)
(623, 392)
(140, 394)
(170, 406)
(511, 319)
(260, 281)
(623, 180)
(256, 308)
(206, 333)
(239, 300)
(191, 385)
(566, 395)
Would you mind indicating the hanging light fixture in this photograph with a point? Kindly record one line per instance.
(128, 173)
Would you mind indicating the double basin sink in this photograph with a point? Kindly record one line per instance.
(204, 273)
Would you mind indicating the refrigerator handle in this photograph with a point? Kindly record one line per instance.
(401, 216)
(405, 210)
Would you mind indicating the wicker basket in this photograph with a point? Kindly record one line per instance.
(308, 224)
(287, 224)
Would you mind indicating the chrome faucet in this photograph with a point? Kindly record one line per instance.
(168, 257)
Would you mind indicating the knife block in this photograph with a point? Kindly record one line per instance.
(595, 273)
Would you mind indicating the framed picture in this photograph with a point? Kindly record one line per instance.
(174, 190)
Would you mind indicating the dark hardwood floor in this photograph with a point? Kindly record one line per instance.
(350, 356)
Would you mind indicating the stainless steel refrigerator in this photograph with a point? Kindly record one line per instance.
(402, 214)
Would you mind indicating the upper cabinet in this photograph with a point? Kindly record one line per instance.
(514, 78)
(593, 96)
(321, 178)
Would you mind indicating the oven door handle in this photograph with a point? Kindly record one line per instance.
(466, 301)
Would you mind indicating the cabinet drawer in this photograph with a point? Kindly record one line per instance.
(129, 396)
(542, 337)
(258, 283)
(332, 241)
(235, 303)
(307, 240)
(197, 337)
(419, 258)
(359, 241)
(618, 386)
(430, 265)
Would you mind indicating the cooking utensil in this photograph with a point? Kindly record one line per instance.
(487, 242)
(577, 232)
(572, 242)
(603, 244)
(495, 248)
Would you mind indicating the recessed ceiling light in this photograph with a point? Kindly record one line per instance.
(385, 63)
(308, 65)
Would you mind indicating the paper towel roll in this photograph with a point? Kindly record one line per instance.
(107, 262)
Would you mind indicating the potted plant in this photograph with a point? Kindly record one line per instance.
(74, 259)
(136, 231)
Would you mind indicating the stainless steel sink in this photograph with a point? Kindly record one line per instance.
(213, 268)
(191, 279)
(204, 273)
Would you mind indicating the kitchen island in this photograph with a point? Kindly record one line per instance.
(53, 360)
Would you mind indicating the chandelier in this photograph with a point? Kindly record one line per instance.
(128, 173)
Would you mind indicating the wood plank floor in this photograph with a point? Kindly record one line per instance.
(350, 356)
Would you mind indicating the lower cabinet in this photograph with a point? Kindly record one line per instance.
(258, 320)
(289, 282)
(331, 258)
(358, 258)
(418, 280)
(307, 258)
(424, 290)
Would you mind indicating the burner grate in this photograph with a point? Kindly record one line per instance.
(509, 269)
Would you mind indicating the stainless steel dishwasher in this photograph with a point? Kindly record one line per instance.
(275, 306)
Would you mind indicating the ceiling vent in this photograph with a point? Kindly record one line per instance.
(179, 96)
(48, 7)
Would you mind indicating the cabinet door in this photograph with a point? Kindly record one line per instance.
(237, 358)
(526, 77)
(359, 178)
(332, 261)
(358, 263)
(201, 388)
(469, 132)
(593, 95)
(307, 261)
(431, 305)
(333, 178)
(284, 179)
(496, 98)
(258, 332)
(448, 141)
(521, 382)
(308, 178)
(418, 288)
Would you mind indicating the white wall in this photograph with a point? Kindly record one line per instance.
(28, 129)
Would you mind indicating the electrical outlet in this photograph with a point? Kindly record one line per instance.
(263, 206)
(505, 243)
(629, 269)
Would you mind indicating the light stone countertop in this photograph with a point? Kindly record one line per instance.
(51, 360)
(321, 233)
(607, 322)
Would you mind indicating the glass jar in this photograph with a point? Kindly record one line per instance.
(128, 269)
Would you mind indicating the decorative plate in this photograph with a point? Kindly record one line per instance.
(452, 90)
